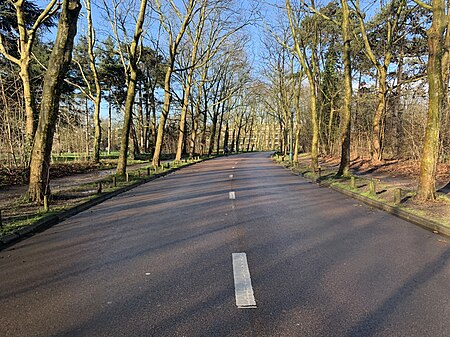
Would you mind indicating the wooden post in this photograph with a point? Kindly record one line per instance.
(127, 176)
(1, 220)
(397, 196)
(115, 181)
(148, 171)
(139, 173)
(99, 188)
(372, 187)
(319, 171)
(353, 183)
(45, 203)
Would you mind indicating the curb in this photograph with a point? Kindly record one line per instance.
(43, 224)
(417, 220)
(400, 213)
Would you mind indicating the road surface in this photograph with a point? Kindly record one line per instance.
(235, 246)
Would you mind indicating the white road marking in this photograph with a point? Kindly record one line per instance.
(232, 195)
(231, 176)
(233, 167)
(242, 282)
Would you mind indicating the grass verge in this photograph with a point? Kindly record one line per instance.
(22, 215)
(379, 194)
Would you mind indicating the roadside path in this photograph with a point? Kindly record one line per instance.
(61, 184)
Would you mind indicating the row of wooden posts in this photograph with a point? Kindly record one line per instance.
(372, 185)
(127, 174)
(114, 182)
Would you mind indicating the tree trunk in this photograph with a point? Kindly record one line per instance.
(315, 133)
(344, 166)
(86, 131)
(98, 89)
(29, 105)
(399, 110)
(376, 138)
(53, 81)
(184, 109)
(164, 114)
(195, 124)
(131, 91)
(427, 180)
(109, 126)
(219, 133)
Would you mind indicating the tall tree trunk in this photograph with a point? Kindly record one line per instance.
(195, 124)
(109, 126)
(29, 105)
(51, 91)
(153, 124)
(98, 89)
(219, 133)
(250, 135)
(398, 110)
(315, 132)
(344, 166)
(226, 136)
(376, 138)
(86, 131)
(233, 139)
(203, 137)
(163, 118)
(427, 179)
(173, 49)
(184, 109)
(131, 90)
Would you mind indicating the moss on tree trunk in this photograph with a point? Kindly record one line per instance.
(58, 64)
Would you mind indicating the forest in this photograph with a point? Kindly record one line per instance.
(182, 78)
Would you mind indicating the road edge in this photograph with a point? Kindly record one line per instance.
(48, 222)
(417, 220)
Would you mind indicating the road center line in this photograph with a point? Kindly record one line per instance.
(242, 282)
(232, 195)
(231, 176)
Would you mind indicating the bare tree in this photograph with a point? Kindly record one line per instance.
(175, 39)
(25, 44)
(54, 76)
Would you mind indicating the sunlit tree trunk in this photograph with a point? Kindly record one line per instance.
(54, 76)
(98, 90)
(376, 137)
(312, 80)
(427, 180)
(25, 44)
(173, 50)
(131, 90)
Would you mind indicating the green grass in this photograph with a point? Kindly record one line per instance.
(10, 226)
(329, 176)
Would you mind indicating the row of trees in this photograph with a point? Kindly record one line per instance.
(175, 73)
(366, 77)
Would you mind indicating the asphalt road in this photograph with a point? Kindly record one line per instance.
(157, 261)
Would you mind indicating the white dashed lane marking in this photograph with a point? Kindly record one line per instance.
(232, 195)
(243, 289)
